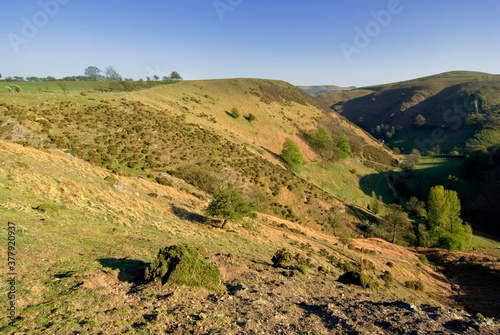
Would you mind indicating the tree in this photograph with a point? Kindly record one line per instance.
(112, 74)
(92, 73)
(456, 184)
(398, 224)
(416, 208)
(374, 203)
(419, 120)
(155, 77)
(411, 160)
(175, 76)
(291, 154)
(444, 219)
(229, 206)
(344, 146)
(320, 139)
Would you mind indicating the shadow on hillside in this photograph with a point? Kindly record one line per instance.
(275, 155)
(329, 320)
(184, 214)
(474, 281)
(131, 270)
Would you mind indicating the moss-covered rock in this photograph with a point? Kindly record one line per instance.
(181, 265)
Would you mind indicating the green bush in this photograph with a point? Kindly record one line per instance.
(291, 154)
(414, 285)
(423, 259)
(283, 259)
(181, 265)
(357, 278)
(235, 113)
(250, 117)
(111, 179)
(344, 146)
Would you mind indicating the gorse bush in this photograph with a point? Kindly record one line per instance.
(181, 265)
(283, 259)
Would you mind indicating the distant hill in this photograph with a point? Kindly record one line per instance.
(315, 90)
(460, 109)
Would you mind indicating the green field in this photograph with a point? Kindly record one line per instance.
(76, 86)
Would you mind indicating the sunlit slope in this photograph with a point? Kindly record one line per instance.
(185, 128)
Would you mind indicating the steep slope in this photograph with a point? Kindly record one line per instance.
(184, 129)
(80, 263)
(460, 110)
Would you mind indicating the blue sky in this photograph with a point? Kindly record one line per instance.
(302, 42)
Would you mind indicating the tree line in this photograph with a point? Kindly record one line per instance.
(91, 73)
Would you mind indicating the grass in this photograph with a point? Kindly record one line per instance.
(71, 86)
(78, 267)
(486, 243)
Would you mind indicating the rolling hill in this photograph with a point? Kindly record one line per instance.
(96, 183)
(460, 111)
(186, 130)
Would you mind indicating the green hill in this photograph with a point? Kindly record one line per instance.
(460, 111)
(186, 130)
(96, 183)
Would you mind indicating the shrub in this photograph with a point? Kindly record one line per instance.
(387, 278)
(163, 181)
(344, 146)
(291, 154)
(414, 285)
(234, 113)
(111, 179)
(181, 265)
(357, 278)
(283, 259)
(250, 117)
(423, 259)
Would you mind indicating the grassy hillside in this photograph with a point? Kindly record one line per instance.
(186, 130)
(460, 109)
(62, 86)
(80, 262)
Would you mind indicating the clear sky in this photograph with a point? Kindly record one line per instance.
(337, 42)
